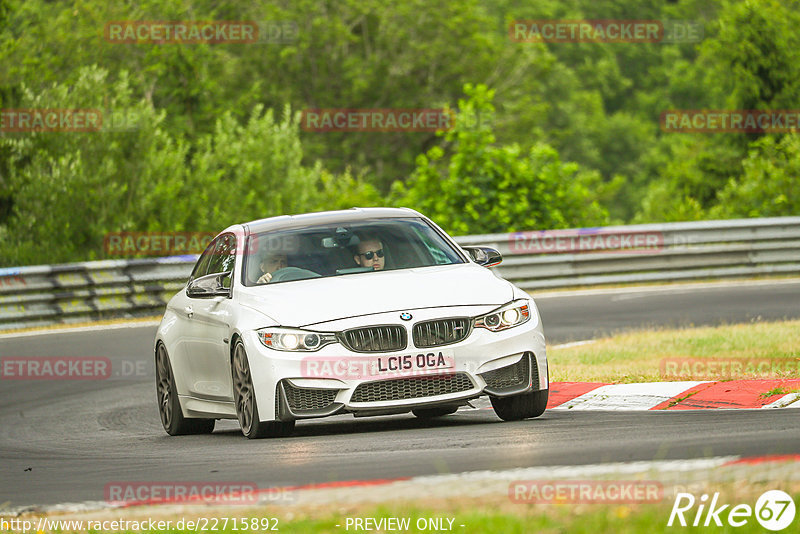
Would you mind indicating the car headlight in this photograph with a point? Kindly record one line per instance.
(294, 339)
(507, 316)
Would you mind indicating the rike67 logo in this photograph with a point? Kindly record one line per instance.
(774, 510)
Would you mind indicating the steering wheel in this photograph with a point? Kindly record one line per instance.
(288, 274)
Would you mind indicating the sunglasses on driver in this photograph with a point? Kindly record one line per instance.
(369, 254)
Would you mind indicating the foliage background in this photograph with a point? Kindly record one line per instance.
(548, 136)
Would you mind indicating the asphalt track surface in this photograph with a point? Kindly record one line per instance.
(64, 441)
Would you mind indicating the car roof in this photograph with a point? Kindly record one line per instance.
(285, 222)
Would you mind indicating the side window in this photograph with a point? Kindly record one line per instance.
(439, 257)
(201, 267)
(224, 256)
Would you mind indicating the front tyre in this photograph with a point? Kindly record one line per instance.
(169, 407)
(245, 399)
(523, 406)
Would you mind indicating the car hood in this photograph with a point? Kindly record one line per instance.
(307, 302)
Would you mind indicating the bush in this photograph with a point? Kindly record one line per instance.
(470, 185)
(769, 184)
(69, 188)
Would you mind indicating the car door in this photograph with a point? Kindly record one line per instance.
(184, 330)
(208, 327)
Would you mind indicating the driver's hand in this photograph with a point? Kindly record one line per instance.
(264, 278)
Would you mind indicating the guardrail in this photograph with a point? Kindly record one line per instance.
(677, 251)
(76, 292)
(43, 295)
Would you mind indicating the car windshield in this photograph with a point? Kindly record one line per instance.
(346, 248)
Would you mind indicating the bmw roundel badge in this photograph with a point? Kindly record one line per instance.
(405, 316)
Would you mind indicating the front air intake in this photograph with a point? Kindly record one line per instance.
(412, 388)
(382, 338)
(512, 378)
(441, 332)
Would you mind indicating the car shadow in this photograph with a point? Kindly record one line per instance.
(347, 424)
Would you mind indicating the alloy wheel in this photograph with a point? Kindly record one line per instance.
(243, 387)
(164, 387)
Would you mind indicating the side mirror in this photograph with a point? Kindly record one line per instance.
(486, 256)
(210, 285)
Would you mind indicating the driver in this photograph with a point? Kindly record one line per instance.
(270, 263)
(370, 253)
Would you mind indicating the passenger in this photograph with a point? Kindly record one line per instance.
(271, 262)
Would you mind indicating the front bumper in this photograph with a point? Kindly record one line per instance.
(485, 363)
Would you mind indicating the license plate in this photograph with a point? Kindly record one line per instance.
(409, 364)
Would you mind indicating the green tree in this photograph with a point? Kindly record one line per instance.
(471, 185)
(691, 170)
(249, 171)
(70, 188)
(770, 182)
(754, 59)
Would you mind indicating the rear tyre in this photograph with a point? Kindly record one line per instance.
(169, 406)
(523, 406)
(245, 398)
(428, 413)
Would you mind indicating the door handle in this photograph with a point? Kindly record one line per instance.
(189, 311)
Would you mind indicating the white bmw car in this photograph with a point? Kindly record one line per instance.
(370, 311)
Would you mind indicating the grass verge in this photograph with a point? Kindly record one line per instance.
(637, 356)
(497, 514)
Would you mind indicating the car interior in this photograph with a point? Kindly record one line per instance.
(329, 251)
